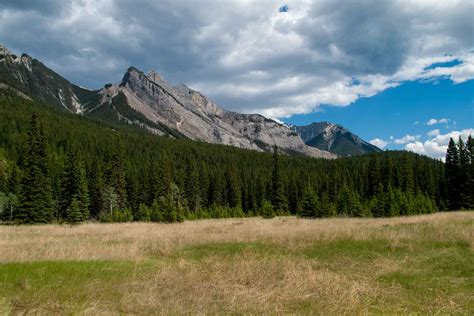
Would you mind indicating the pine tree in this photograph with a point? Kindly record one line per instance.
(74, 214)
(464, 174)
(36, 195)
(74, 185)
(452, 167)
(156, 212)
(143, 214)
(470, 186)
(279, 198)
(327, 207)
(309, 203)
(192, 186)
(267, 210)
(13, 185)
(233, 192)
(97, 189)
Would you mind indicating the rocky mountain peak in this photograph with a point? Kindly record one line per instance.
(334, 138)
(154, 76)
(4, 51)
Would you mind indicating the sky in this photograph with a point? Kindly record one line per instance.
(399, 73)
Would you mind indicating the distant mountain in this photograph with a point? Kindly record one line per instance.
(150, 102)
(335, 139)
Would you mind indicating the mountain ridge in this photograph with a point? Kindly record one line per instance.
(334, 138)
(150, 102)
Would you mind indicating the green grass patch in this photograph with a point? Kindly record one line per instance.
(351, 248)
(59, 287)
(231, 250)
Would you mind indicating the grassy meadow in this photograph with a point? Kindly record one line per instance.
(419, 264)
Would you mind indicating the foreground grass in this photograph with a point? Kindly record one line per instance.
(422, 264)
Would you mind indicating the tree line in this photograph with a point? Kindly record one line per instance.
(55, 166)
(460, 173)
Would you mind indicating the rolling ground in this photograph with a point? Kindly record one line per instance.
(419, 264)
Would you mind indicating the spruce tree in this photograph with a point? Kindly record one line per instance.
(74, 185)
(74, 214)
(279, 197)
(143, 214)
(36, 195)
(309, 203)
(97, 189)
(192, 186)
(233, 191)
(267, 210)
(470, 185)
(463, 178)
(452, 166)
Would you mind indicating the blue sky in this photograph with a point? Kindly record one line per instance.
(404, 110)
(374, 66)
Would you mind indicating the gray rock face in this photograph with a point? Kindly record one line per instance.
(334, 138)
(197, 117)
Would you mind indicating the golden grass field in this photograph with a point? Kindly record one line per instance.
(419, 264)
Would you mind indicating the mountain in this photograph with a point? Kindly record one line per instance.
(335, 139)
(31, 77)
(150, 102)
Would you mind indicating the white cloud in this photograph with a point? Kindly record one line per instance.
(380, 143)
(436, 147)
(435, 121)
(245, 54)
(406, 139)
(433, 133)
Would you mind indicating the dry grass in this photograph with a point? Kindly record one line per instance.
(421, 264)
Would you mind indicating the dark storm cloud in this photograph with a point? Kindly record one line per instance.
(246, 55)
(44, 7)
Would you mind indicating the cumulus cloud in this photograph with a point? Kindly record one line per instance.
(436, 146)
(406, 139)
(437, 121)
(433, 133)
(250, 60)
(380, 143)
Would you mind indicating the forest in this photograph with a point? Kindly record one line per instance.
(61, 167)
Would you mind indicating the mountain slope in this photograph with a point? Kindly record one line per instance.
(335, 139)
(192, 114)
(33, 78)
(150, 102)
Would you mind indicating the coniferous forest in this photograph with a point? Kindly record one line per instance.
(60, 167)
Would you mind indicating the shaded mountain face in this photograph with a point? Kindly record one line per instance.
(150, 102)
(335, 139)
(31, 77)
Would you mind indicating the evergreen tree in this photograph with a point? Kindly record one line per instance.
(143, 214)
(327, 207)
(452, 167)
(233, 192)
(463, 178)
(36, 195)
(192, 186)
(74, 214)
(74, 186)
(267, 210)
(309, 203)
(470, 185)
(156, 212)
(97, 189)
(13, 185)
(279, 199)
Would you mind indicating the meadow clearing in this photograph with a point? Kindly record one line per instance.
(419, 264)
